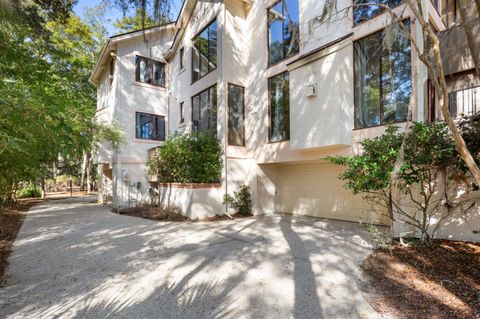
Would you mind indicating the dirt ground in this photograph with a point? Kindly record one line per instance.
(419, 282)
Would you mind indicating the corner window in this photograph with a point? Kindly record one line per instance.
(236, 115)
(204, 111)
(363, 13)
(182, 117)
(383, 80)
(283, 30)
(279, 110)
(204, 52)
(149, 126)
(149, 71)
(181, 56)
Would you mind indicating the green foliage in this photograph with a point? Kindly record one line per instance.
(64, 180)
(188, 158)
(410, 164)
(111, 133)
(469, 127)
(29, 190)
(372, 170)
(138, 21)
(241, 200)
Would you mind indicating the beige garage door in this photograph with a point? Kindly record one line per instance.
(313, 189)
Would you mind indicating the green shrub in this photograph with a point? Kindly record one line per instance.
(241, 200)
(65, 180)
(29, 190)
(188, 158)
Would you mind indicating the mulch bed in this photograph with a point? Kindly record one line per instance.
(420, 282)
(157, 213)
(11, 219)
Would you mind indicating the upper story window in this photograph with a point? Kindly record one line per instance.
(182, 116)
(279, 110)
(383, 80)
(449, 14)
(204, 111)
(149, 126)
(181, 57)
(363, 13)
(236, 115)
(111, 71)
(283, 30)
(204, 52)
(149, 71)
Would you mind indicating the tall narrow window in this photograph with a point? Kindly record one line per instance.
(383, 80)
(181, 56)
(204, 52)
(204, 111)
(149, 71)
(367, 12)
(236, 115)
(279, 92)
(182, 117)
(283, 30)
(111, 71)
(149, 126)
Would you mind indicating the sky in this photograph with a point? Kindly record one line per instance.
(114, 13)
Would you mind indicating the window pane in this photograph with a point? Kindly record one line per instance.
(204, 58)
(236, 129)
(195, 65)
(367, 81)
(362, 13)
(396, 80)
(383, 79)
(291, 28)
(275, 33)
(212, 45)
(213, 109)
(159, 128)
(196, 108)
(144, 126)
(204, 116)
(159, 73)
(279, 108)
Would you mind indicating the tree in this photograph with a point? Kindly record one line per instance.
(138, 21)
(430, 56)
(414, 176)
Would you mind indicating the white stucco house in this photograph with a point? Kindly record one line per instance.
(281, 90)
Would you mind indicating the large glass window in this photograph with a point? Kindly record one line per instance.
(283, 30)
(383, 79)
(149, 126)
(204, 53)
(204, 111)
(236, 115)
(149, 71)
(363, 13)
(279, 92)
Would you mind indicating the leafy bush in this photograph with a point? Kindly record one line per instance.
(29, 190)
(188, 158)
(240, 201)
(419, 167)
(64, 180)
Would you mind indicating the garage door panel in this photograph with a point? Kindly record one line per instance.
(315, 190)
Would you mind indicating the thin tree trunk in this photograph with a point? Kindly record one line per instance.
(44, 194)
(468, 25)
(88, 168)
(84, 171)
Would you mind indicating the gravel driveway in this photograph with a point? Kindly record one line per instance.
(76, 259)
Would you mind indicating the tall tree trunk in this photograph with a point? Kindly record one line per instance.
(44, 194)
(88, 170)
(468, 25)
(84, 171)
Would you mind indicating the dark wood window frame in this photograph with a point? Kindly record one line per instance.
(243, 113)
(374, 16)
(153, 128)
(381, 100)
(182, 56)
(200, 112)
(287, 138)
(137, 71)
(182, 110)
(270, 64)
(208, 58)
